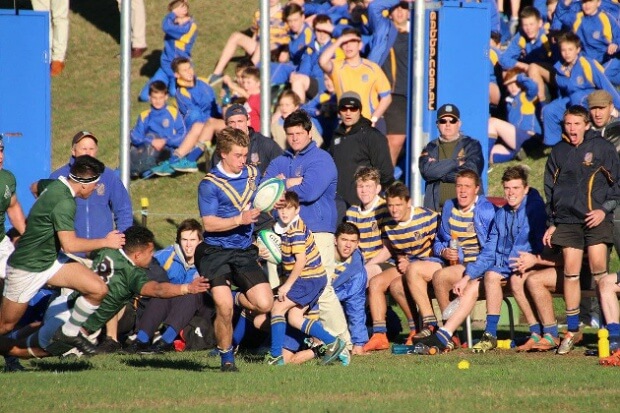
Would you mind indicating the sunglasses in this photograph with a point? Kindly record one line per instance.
(349, 109)
(443, 121)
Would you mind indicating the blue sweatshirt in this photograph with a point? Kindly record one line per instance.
(317, 192)
(164, 123)
(178, 39)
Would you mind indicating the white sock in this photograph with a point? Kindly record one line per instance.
(81, 311)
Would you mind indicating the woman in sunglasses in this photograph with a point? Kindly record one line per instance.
(443, 157)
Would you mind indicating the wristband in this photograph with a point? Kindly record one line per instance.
(184, 289)
(374, 119)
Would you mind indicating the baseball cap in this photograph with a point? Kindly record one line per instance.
(235, 109)
(448, 110)
(599, 99)
(351, 99)
(83, 134)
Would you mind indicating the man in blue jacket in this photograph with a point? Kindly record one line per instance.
(443, 157)
(109, 207)
(518, 227)
(311, 173)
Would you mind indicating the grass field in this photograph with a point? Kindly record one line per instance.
(86, 96)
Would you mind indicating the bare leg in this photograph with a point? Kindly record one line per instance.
(540, 284)
(468, 301)
(235, 40)
(517, 284)
(395, 144)
(300, 84)
(397, 290)
(376, 293)
(541, 76)
(608, 289)
(223, 316)
(572, 268)
(503, 130)
(494, 94)
(443, 282)
(418, 275)
(493, 291)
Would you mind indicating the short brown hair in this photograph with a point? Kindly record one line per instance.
(292, 199)
(367, 173)
(176, 3)
(469, 173)
(398, 190)
(251, 71)
(228, 137)
(189, 224)
(515, 172)
(179, 61)
(578, 110)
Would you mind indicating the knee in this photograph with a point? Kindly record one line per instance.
(264, 304)
(98, 292)
(375, 285)
(608, 284)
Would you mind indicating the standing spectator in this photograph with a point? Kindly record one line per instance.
(356, 144)
(109, 207)
(311, 173)
(390, 38)
(358, 74)
(601, 107)
(262, 150)
(581, 188)
(443, 157)
(59, 30)
(138, 27)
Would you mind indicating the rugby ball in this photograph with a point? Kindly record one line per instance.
(268, 193)
(271, 242)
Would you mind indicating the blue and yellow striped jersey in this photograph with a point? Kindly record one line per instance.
(370, 222)
(296, 239)
(413, 238)
(462, 225)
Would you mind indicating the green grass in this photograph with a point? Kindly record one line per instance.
(503, 381)
(86, 96)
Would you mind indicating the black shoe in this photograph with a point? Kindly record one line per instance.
(229, 368)
(109, 345)
(61, 340)
(12, 365)
(160, 347)
(136, 348)
(433, 341)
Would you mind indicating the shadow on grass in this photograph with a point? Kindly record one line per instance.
(103, 14)
(62, 366)
(151, 64)
(161, 363)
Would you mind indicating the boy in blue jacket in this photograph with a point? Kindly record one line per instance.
(158, 131)
(180, 33)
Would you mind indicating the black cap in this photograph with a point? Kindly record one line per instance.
(235, 109)
(350, 99)
(83, 134)
(449, 110)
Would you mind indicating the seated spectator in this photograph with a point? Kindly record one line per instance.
(278, 33)
(466, 221)
(576, 77)
(517, 228)
(370, 216)
(443, 157)
(158, 132)
(180, 33)
(531, 50)
(350, 283)
(197, 104)
(407, 238)
(175, 313)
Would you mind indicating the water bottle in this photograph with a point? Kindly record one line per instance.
(451, 308)
(603, 343)
(425, 350)
(454, 245)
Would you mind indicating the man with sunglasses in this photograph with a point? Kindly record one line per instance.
(443, 157)
(356, 144)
